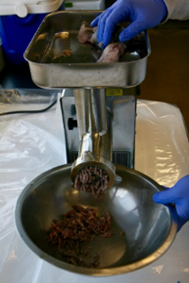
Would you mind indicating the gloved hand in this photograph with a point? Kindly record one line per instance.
(142, 14)
(179, 195)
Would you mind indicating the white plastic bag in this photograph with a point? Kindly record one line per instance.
(33, 143)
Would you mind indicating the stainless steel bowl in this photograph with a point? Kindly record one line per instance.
(149, 228)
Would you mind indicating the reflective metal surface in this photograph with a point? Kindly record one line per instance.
(149, 229)
(123, 137)
(91, 111)
(94, 121)
(57, 33)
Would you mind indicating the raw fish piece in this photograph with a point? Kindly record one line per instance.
(112, 52)
(87, 34)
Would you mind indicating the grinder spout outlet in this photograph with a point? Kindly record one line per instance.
(93, 170)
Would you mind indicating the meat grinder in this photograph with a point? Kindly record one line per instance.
(99, 99)
(99, 128)
(98, 109)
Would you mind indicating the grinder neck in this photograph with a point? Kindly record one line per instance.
(95, 132)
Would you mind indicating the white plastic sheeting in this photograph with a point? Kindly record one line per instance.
(33, 143)
(162, 148)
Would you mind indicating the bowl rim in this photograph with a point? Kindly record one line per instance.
(84, 270)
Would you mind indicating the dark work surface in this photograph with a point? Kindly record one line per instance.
(16, 77)
(108, 3)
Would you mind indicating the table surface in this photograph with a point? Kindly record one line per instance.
(32, 144)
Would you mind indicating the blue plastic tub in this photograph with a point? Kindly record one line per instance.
(16, 33)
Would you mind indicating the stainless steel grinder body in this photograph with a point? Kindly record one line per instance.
(95, 134)
(99, 128)
(50, 69)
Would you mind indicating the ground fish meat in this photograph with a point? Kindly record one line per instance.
(92, 179)
(73, 233)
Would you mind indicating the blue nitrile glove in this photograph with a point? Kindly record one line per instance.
(142, 14)
(179, 196)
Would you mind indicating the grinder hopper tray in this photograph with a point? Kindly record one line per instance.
(57, 35)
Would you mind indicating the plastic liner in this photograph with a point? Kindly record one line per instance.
(162, 148)
(33, 143)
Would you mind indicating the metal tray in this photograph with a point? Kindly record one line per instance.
(58, 32)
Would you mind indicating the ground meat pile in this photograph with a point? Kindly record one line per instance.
(92, 179)
(73, 233)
